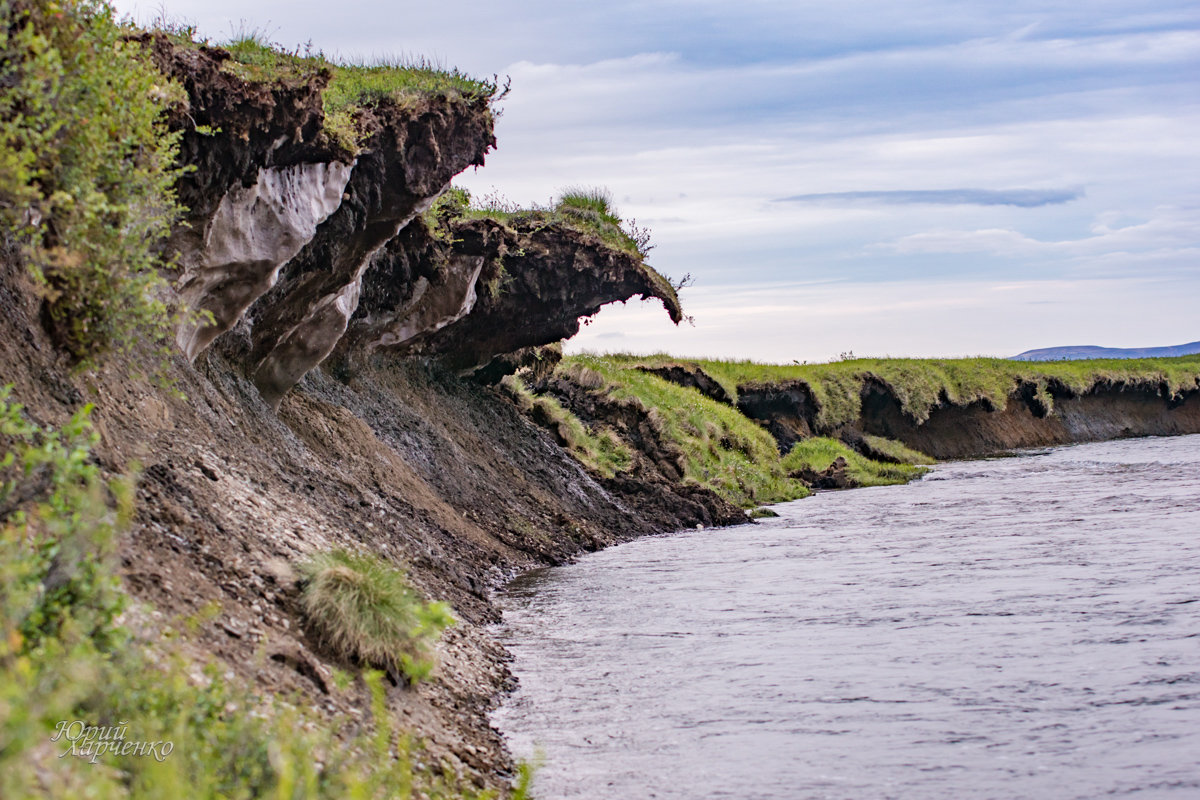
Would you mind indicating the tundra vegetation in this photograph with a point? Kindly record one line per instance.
(352, 85)
(87, 176)
(921, 383)
(362, 608)
(736, 457)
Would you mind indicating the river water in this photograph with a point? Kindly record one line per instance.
(1024, 627)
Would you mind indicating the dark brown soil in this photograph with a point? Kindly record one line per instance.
(438, 472)
(1106, 411)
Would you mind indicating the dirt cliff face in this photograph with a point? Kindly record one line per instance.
(542, 289)
(262, 175)
(412, 153)
(287, 233)
(786, 409)
(1107, 410)
(257, 456)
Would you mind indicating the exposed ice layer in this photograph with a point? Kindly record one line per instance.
(255, 231)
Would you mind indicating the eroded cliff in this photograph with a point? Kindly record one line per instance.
(309, 232)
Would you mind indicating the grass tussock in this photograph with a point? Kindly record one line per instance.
(362, 608)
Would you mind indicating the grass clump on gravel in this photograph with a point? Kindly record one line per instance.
(363, 609)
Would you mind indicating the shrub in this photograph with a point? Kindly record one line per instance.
(362, 608)
(88, 171)
(58, 533)
(64, 657)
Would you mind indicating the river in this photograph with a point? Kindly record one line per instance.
(1024, 627)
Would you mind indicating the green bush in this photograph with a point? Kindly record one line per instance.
(64, 657)
(363, 609)
(59, 531)
(88, 171)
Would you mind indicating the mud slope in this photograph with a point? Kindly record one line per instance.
(259, 453)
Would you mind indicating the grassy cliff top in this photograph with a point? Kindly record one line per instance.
(351, 84)
(588, 211)
(254, 58)
(919, 384)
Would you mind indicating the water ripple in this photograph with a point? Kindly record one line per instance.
(1011, 628)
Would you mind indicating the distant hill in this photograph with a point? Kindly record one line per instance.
(1089, 351)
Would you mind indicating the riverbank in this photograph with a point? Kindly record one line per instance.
(331, 349)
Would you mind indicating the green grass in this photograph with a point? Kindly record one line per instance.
(818, 453)
(65, 656)
(588, 201)
(721, 449)
(362, 608)
(919, 383)
(601, 451)
(255, 57)
(894, 451)
(586, 210)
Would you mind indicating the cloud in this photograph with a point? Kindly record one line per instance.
(1022, 198)
(1168, 230)
(697, 114)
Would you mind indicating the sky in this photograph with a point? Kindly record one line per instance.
(927, 178)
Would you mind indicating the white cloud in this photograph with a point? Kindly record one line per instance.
(698, 113)
(1169, 230)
